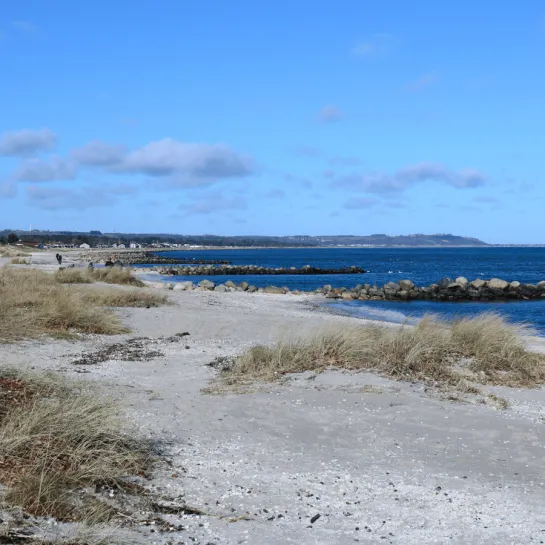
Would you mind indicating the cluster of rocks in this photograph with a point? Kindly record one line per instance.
(253, 270)
(446, 289)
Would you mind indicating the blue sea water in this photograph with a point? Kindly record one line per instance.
(423, 266)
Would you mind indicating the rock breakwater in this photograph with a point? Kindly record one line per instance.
(227, 270)
(447, 289)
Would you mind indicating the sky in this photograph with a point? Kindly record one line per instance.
(274, 117)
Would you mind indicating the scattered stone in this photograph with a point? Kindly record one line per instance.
(315, 518)
(206, 284)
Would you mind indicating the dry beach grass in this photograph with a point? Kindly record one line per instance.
(485, 350)
(111, 275)
(56, 441)
(33, 303)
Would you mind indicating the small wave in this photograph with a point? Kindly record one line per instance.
(373, 313)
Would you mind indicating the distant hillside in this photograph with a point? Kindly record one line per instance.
(96, 238)
(386, 240)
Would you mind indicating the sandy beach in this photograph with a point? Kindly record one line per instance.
(329, 458)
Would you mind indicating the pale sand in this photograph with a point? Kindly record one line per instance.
(389, 458)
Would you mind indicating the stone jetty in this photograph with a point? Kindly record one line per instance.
(253, 270)
(447, 289)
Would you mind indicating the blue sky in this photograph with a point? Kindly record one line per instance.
(299, 117)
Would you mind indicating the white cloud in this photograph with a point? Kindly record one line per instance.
(54, 169)
(26, 142)
(194, 162)
(97, 153)
(384, 183)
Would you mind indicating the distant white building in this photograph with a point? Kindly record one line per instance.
(121, 246)
(135, 245)
(84, 246)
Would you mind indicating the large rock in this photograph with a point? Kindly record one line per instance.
(347, 296)
(207, 284)
(376, 292)
(463, 281)
(498, 284)
(541, 285)
(445, 282)
(222, 288)
(230, 284)
(391, 286)
(244, 286)
(454, 286)
(251, 289)
(184, 286)
(478, 283)
(515, 285)
(406, 285)
(274, 289)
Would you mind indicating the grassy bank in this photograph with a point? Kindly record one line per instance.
(484, 349)
(57, 443)
(33, 303)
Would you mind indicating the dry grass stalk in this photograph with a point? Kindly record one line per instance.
(34, 303)
(485, 349)
(110, 275)
(19, 261)
(55, 440)
(12, 251)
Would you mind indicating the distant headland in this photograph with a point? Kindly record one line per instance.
(98, 239)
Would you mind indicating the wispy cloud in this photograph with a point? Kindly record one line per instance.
(377, 45)
(392, 184)
(7, 190)
(358, 203)
(97, 153)
(49, 198)
(421, 83)
(26, 142)
(486, 199)
(307, 151)
(329, 114)
(25, 27)
(339, 161)
(50, 170)
(274, 194)
(214, 202)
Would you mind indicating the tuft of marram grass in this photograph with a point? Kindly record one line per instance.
(33, 303)
(55, 441)
(485, 349)
(19, 261)
(124, 298)
(110, 275)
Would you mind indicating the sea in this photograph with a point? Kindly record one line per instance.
(423, 266)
